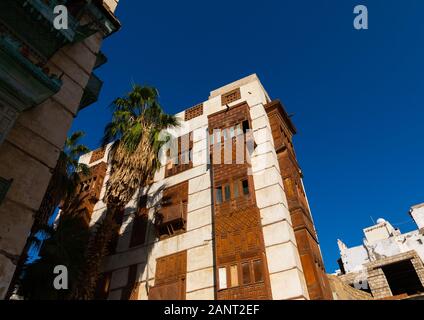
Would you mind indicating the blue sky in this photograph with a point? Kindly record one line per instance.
(357, 96)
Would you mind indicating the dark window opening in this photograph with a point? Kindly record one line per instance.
(245, 185)
(403, 278)
(218, 195)
(227, 192)
(138, 233)
(118, 218)
(245, 125)
(103, 286)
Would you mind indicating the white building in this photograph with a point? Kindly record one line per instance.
(384, 258)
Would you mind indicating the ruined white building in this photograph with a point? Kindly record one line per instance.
(387, 263)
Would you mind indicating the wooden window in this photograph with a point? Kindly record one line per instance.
(138, 233)
(231, 190)
(170, 278)
(238, 129)
(218, 195)
(289, 188)
(258, 270)
(245, 186)
(234, 275)
(227, 192)
(236, 188)
(223, 278)
(182, 161)
(97, 155)
(171, 217)
(245, 269)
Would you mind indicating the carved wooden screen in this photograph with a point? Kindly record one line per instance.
(239, 247)
(171, 217)
(97, 155)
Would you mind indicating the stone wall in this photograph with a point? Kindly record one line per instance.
(343, 291)
(31, 149)
(377, 280)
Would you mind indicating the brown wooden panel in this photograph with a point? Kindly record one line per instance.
(138, 232)
(97, 155)
(183, 160)
(170, 277)
(174, 290)
(307, 243)
(231, 96)
(171, 217)
(193, 112)
(237, 226)
(89, 189)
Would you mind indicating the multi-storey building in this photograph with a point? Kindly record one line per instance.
(46, 77)
(229, 220)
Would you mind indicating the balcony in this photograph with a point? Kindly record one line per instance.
(172, 213)
(101, 59)
(91, 92)
(171, 220)
(22, 83)
(105, 19)
(32, 22)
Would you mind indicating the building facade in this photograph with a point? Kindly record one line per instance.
(389, 264)
(228, 220)
(46, 78)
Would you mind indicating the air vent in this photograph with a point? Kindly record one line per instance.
(193, 112)
(231, 96)
(97, 155)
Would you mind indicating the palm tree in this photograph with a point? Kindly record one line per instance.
(65, 178)
(137, 121)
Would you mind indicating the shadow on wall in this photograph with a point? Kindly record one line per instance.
(142, 232)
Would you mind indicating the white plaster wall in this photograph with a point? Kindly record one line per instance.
(354, 258)
(197, 240)
(417, 213)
